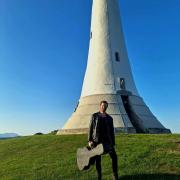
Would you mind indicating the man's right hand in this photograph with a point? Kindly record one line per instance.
(90, 143)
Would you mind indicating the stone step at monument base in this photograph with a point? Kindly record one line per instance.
(117, 130)
(85, 131)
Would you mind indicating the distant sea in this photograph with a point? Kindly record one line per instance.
(8, 135)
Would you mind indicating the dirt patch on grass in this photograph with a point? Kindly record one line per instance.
(177, 145)
(177, 142)
(169, 169)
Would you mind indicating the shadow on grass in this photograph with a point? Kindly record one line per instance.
(151, 177)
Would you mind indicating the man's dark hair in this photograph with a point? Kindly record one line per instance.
(105, 102)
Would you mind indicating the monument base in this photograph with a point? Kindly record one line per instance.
(85, 131)
(117, 130)
(129, 112)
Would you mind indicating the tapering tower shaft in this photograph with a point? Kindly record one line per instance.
(108, 62)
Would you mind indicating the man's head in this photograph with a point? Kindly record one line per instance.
(103, 106)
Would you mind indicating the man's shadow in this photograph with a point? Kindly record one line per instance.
(151, 177)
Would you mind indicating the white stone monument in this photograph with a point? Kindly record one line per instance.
(108, 77)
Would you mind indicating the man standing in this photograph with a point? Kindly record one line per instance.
(101, 130)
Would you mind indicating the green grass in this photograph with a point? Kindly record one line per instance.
(54, 157)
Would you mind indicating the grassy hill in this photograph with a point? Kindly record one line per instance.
(54, 157)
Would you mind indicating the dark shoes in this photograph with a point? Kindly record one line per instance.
(115, 176)
(99, 177)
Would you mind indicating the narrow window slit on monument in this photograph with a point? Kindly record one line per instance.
(117, 56)
(91, 35)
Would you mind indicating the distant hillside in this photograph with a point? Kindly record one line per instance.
(51, 157)
(8, 135)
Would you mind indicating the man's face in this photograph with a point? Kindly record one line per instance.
(103, 107)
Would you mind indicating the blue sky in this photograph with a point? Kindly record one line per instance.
(43, 56)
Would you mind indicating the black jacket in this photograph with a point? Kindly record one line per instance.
(101, 130)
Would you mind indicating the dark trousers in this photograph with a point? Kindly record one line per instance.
(113, 156)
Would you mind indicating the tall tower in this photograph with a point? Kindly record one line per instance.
(108, 77)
